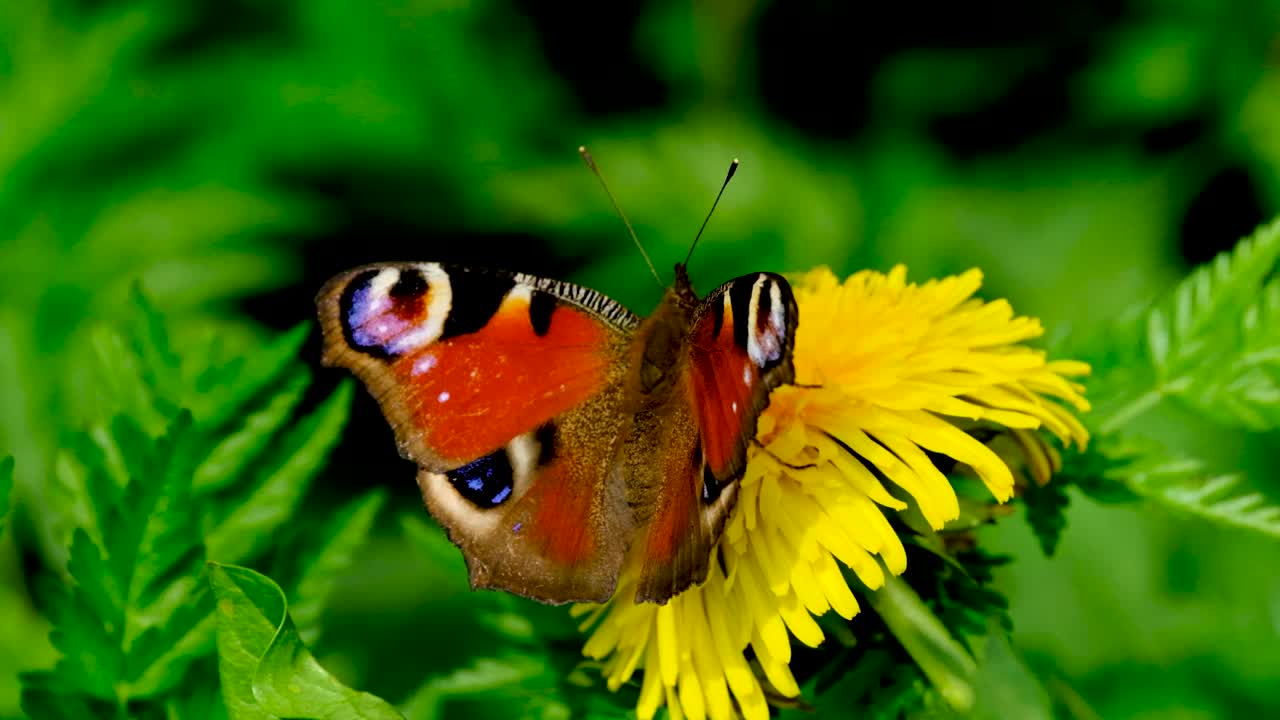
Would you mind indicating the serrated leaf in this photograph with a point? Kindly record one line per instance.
(1183, 486)
(266, 670)
(299, 455)
(1246, 391)
(1047, 512)
(235, 451)
(253, 377)
(135, 596)
(6, 488)
(323, 567)
(156, 667)
(160, 367)
(1213, 343)
(88, 623)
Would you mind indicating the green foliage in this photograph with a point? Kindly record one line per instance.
(322, 559)
(1147, 470)
(1213, 343)
(150, 141)
(134, 574)
(266, 670)
(170, 481)
(1046, 507)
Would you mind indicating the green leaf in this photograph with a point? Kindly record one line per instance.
(299, 455)
(1118, 468)
(1047, 512)
(1246, 391)
(124, 628)
(261, 372)
(266, 670)
(236, 450)
(6, 487)
(1213, 343)
(334, 551)
(1183, 485)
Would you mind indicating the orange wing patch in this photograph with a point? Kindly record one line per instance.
(472, 393)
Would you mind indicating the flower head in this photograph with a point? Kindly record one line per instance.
(887, 373)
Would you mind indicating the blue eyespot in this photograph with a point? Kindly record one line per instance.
(485, 483)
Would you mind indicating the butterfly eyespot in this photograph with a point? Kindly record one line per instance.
(485, 483)
(410, 286)
(390, 311)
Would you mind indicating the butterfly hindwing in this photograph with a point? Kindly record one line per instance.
(495, 384)
(738, 348)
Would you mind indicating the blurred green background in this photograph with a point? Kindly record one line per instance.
(235, 154)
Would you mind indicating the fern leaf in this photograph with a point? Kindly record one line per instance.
(1183, 486)
(1246, 390)
(1180, 331)
(248, 527)
(249, 378)
(1142, 468)
(237, 450)
(1213, 343)
(134, 587)
(333, 553)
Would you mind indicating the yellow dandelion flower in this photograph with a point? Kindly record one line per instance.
(885, 371)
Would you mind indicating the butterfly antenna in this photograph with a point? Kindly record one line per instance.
(733, 168)
(591, 163)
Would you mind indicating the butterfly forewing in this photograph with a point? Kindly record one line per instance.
(504, 389)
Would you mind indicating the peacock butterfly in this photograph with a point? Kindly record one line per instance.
(555, 431)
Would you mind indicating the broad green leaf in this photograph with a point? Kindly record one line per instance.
(6, 487)
(333, 553)
(266, 670)
(248, 527)
(942, 659)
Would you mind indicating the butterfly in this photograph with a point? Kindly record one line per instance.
(554, 430)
